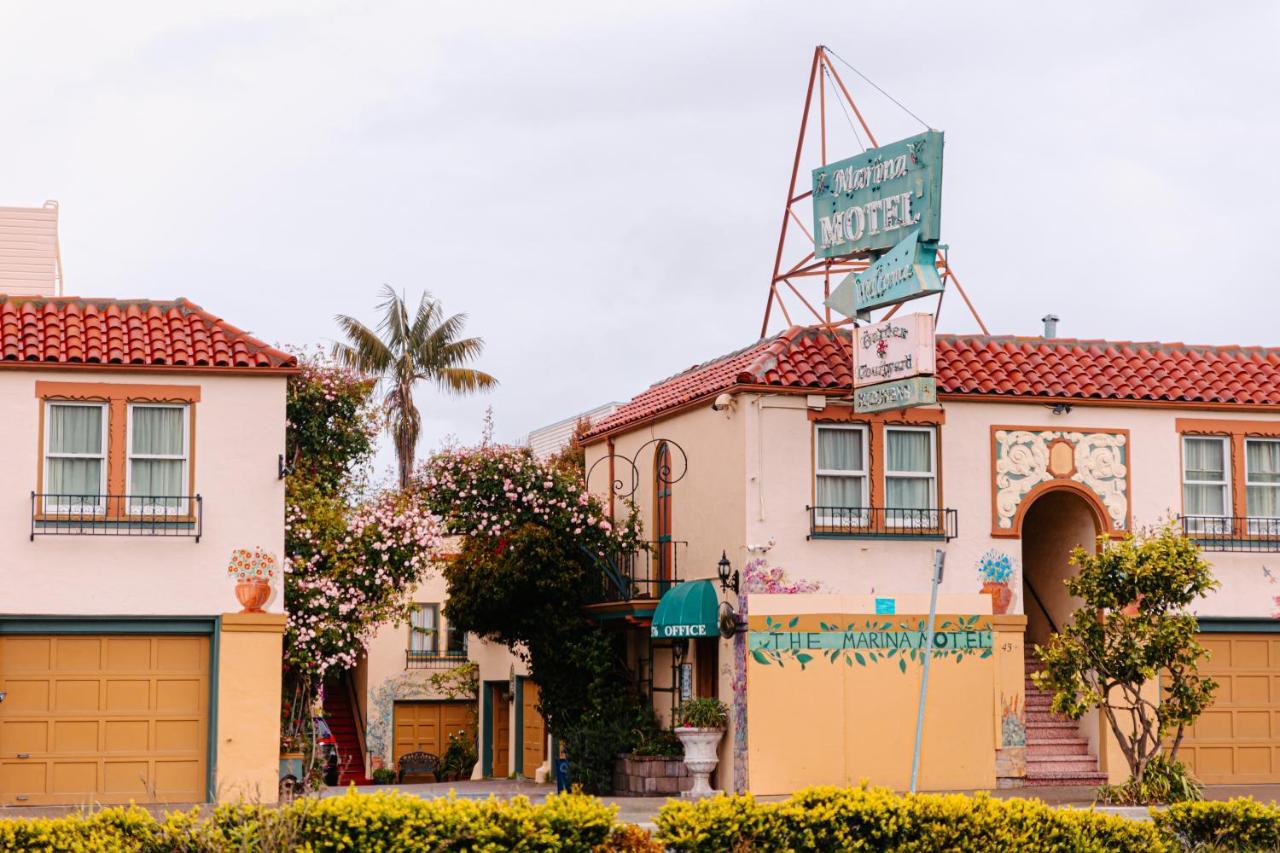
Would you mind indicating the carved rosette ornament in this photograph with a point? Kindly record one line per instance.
(1025, 458)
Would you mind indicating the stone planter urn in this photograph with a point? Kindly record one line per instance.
(252, 594)
(701, 757)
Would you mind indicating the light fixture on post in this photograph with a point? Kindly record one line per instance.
(680, 649)
(727, 580)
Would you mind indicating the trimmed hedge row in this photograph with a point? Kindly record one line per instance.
(876, 819)
(831, 819)
(385, 821)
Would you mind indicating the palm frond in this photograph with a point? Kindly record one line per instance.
(463, 380)
(364, 350)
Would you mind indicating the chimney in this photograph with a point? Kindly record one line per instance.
(30, 263)
(1050, 325)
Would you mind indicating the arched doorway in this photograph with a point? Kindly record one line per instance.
(1055, 524)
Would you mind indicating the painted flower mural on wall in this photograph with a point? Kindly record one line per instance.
(995, 571)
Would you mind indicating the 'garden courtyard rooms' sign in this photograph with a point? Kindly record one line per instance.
(899, 348)
(868, 203)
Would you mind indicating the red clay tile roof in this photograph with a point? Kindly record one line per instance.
(68, 331)
(820, 359)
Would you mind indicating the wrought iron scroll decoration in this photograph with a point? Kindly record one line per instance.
(663, 474)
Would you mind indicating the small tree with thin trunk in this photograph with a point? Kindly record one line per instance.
(1135, 626)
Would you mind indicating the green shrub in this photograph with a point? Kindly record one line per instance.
(704, 713)
(1239, 824)
(1163, 781)
(661, 743)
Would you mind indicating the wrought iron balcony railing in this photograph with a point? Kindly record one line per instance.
(645, 573)
(1233, 533)
(838, 522)
(414, 659)
(116, 515)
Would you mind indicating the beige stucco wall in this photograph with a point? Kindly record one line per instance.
(248, 728)
(239, 432)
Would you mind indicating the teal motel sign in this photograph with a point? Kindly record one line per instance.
(901, 394)
(869, 202)
(905, 272)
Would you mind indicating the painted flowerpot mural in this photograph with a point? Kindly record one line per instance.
(995, 569)
(252, 569)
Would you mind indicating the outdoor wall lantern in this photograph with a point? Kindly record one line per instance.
(727, 581)
(680, 648)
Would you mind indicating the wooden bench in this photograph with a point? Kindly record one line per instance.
(417, 762)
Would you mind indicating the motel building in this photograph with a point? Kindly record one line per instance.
(143, 439)
(754, 467)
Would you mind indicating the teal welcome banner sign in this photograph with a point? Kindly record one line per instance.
(905, 272)
(869, 643)
(868, 202)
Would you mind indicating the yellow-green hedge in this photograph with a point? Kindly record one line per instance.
(363, 822)
(814, 819)
(877, 819)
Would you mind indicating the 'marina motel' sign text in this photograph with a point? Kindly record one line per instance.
(868, 203)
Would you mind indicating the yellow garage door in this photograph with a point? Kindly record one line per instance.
(103, 719)
(425, 726)
(1238, 739)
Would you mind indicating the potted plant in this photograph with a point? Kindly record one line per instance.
(996, 569)
(253, 570)
(459, 757)
(701, 726)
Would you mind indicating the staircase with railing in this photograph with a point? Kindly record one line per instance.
(645, 573)
(340, 715)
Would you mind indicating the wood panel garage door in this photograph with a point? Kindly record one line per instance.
(534, 733)
(425, 726)
(1238, 739)
(103, 719)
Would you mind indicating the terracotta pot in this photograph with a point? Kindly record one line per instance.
(700, 757)
(1001, 596)
(252, 594)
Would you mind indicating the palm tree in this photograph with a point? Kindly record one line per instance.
(404, 351)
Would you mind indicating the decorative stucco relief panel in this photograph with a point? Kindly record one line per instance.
(1097, 461)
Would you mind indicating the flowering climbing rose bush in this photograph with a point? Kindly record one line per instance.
(346, 578)
(490, 491)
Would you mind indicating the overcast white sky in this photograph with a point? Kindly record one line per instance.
(599, 185)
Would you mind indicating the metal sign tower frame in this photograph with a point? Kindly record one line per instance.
(800, 277)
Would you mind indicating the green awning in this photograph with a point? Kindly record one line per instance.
(689, 609)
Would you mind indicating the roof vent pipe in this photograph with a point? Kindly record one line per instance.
(1050, 325)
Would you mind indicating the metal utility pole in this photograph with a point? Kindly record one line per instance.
(938, 559)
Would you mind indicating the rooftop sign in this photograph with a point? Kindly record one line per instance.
(866, 203)
(902, 394)
(894, 349)
(904, 272)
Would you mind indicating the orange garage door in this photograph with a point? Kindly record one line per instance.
(103, 719)
(1238, 739)
(426, 726)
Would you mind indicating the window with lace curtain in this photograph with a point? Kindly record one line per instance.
(840, 474)
(75, 462)
(1206, 482)
(1262, 485)
(424, 629)
(910, 476)
(158, 458)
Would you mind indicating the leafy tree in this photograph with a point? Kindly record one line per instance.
(527, 566)
(1135, 626)
(406, 350)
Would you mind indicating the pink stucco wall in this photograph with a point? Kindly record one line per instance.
(239, 432)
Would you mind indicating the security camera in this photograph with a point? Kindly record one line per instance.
(722, 403)
(762, 549)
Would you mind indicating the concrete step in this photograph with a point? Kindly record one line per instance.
(1045, 716)
(1057, 746)
(1039, 730)
(1059, 763)
(1066, 779)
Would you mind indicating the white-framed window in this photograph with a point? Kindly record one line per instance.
(910, 476)
(840, 475)
(1262, 485)
(158, 462)
(75, 457)
(1206, 483)
(424, 629)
